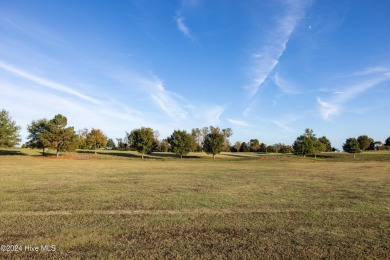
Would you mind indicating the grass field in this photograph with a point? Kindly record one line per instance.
(114, 205)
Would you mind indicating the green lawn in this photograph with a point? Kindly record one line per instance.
(114, 205)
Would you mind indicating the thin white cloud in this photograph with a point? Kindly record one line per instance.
(172, 104)
(285, 122)
(267, 57)
(212, 115)
(329, 109)
(239, 122)
(182, 27)
(283, 85)
(46, 82)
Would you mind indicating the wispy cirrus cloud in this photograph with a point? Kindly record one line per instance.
(284, 86)
(167, 101)
(46, 82)
(266, 58)
(182, 27)
(372, 77)
(239, 122)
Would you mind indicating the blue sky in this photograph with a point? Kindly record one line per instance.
(267, 69)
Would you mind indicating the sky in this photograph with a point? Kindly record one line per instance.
(267, 69)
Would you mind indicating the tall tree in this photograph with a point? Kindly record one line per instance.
(351, 145)
(304, 144)
(263, 148)
(61, 138)
(236, 147)
(254, 145)
(111, 143)
(214, 141)
(364, 142)
(181, 143)
(82, 135)
(227, 133)
(141, 140)
(9, 131)
(327, 145)
(96, 139)
(244, 148)
(197, 135)
(38, 136)
(387, 143)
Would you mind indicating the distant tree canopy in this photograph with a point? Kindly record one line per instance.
(9, 131)
(304, 144)
(214, 141)
(181, 143)
(111, 143)
(141, 140)
(254, 145)
(387, 142)
(327, 146)
(351, 145)
(244, 148)
(308, 143)
(52, 134)
(364, 142)
(96, 139)
(37, 132)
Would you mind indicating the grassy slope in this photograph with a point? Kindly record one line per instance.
(110, 206)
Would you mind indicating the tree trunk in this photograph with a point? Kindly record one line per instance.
(142, 156)
(354, 156)
(315, 155)
(181, 157)
(57, 153)
(213, 156)
(43, 151)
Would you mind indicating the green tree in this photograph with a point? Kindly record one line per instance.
(283, 148)
(364, 142)
(351, 145)
(82, 138)
(304, 144)
(141, 140)
(9, 131)
(263, 148)
(318, 147)
(236, 147)
(181, 143)
(111, 144)
(387, 143)
(244, 148)
(214, 141)
(164, 145)
(38, 136)
(96, 139)
(227, 133)
(327, 144)
(60, 137)
(254, 145)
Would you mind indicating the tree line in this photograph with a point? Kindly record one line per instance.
(54, 134)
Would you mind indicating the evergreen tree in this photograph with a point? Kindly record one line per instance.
(9, 131)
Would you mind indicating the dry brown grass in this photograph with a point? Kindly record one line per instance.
(109, 206)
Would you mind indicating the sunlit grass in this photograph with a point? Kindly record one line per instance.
(256, 206)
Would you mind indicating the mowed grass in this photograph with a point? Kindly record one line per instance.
(239, 206)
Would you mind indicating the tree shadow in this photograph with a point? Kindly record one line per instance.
(11, 152)
(240, 155)
(172, 155)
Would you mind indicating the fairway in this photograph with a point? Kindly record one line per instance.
(107, 206)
